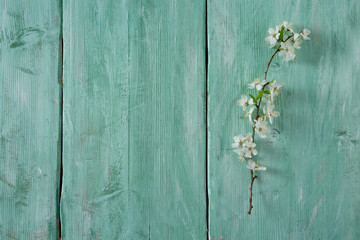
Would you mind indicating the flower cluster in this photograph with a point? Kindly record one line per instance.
(284, 38)
(244, 145)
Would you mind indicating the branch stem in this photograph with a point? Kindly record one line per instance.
(251, 187)
(257, 117)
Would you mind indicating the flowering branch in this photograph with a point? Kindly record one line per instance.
(285, 40)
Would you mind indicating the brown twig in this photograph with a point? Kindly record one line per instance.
(251, 186)
(257, 117)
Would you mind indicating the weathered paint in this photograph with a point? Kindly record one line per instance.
(29, 118)
(311, 187)
(134, 120)
(167, 190)
(94, 203)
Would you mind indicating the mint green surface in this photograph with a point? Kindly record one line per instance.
(311, 189)
(29, 118)
(134, 120)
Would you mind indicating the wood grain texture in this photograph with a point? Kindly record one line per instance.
(29, 118)
(167, 119)
(310, 190)
(134, 120)
(94, 203)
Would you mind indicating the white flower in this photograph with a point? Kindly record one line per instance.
(261, 128)
(287, 26)
(257, 84)
(238, 141)
(248, 138)
(287, 51)
(241, 154)
(297, 41)
(304, 33)
(254, 166)
(275, 89)
(249, 113)
(270, 113)
(249, 149)
(273, 36)
(244, 102)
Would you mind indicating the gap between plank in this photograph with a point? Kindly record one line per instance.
(206, 123)
(61, 98)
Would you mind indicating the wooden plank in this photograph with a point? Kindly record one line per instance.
(134, 110)
(312, 154)
(167, 119)
(94, 203)
(29, 118)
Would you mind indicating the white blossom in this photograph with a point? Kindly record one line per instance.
(241, 154)
(275, 89)
(297, 41)
(273, 36)
(249, 113)
(244, 102)
(257, 84)
(261, 127)
(304, 33)
(248, 138)
(254, 166)
(249, 149)
(270, 113)
(287, 51)
(238, 141)
(287, 26)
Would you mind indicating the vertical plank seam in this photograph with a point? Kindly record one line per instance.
(60, 161)
(206, 122)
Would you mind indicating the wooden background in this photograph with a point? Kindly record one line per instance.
(117, 117)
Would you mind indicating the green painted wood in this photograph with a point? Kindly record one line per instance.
(29, 118)
(167, 119)
(134, 120)
(94, 202)
(311, 187)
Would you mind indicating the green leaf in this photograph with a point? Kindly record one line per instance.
(267, 92)
(259, 95)
(281, 36)
(255, 101)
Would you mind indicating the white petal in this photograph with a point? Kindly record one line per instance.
(251, 164)
(261, 168)
(254, 152)
(238, 152)
(262, 135)
(306, 31)
(235, 145)
(270, 119)
(251, 109)
(271, 31)
(282, 53)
